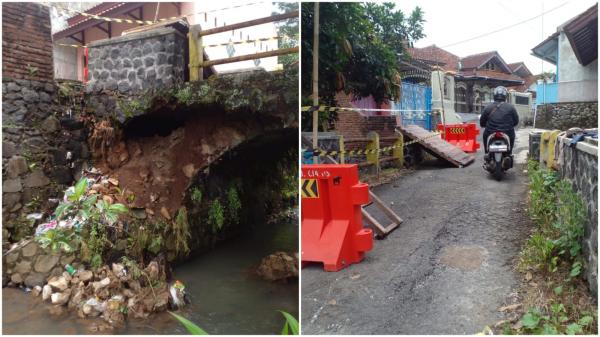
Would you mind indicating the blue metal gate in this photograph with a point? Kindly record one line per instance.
(415, 105)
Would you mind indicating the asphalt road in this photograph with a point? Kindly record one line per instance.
(446, 270)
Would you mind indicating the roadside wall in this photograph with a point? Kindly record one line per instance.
(580, 166)
(563, 116)
(137, 61)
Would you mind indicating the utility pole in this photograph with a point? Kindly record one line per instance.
(315, 82)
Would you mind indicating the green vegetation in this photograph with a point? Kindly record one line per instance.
(57, 240)
(289, 30)
(192, 328)
(290, 326)
(145, 238)
(553, 254)
(216, 215)
(559, 214)
(89, 219)
(234, 205)
(358, 48)
(196, 195)
(134, 106)
(181, 231)
(184, 95)
(555, 322)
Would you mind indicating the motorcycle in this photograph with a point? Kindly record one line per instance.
(498, 158)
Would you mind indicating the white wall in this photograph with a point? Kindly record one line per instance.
(576, 82)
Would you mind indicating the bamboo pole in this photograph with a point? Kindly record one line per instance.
(255, 22)
(250, 56)
(315, 81)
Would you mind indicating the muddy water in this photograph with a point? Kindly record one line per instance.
(227, 298)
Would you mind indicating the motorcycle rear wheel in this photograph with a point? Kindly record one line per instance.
(497, 170)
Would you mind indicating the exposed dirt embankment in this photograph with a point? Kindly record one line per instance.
(158, 163)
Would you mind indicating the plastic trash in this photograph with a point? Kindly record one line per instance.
(43, 228)
(97, 305)
(70, 269)
(34, 216)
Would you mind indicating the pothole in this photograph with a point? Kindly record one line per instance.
(467, 258)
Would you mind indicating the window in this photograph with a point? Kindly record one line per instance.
(522, 100)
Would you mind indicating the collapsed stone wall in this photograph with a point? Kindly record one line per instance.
(579, 165)
(563, 116)
(138, 61)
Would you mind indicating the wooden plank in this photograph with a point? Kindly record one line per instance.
(385, 209)
(437, 146)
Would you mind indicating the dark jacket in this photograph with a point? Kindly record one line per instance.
(504, 118)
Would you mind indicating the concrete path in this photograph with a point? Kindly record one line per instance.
(446, 270)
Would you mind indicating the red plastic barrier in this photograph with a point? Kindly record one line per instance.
(332, 231)
(462, 135)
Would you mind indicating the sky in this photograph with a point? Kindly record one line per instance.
(448, 22)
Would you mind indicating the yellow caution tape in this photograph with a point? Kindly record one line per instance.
(322, 153)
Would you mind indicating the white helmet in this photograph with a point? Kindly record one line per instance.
(500, 93)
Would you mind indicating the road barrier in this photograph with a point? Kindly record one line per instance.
(332, 229)
(463, 136)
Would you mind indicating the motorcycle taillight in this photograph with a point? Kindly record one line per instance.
(499, 134)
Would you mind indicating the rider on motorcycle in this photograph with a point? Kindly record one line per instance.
(499, 116)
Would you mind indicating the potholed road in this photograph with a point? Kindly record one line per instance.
(446, 270)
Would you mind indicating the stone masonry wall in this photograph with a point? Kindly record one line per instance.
(26, 41)
(580, 166)
(41, 150)
(138, 61)
(30, 265)
(563, 116)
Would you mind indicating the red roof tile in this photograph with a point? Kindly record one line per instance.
(490, 74)
(436, 54)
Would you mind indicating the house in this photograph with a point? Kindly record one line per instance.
(573, 49)
(467, 82)
(83, 28)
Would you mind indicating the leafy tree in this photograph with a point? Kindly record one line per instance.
(359, 45)
(288, 29)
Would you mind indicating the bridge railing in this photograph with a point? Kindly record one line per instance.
(196, 46)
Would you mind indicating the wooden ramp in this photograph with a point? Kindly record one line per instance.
(437, 146)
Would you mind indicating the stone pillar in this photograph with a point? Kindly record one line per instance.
(437, 90)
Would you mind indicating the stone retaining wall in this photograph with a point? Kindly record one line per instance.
(42, 152)
(138, 61)
(563, 116)
(30, 265)
(580, 166)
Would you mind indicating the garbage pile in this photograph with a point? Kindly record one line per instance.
(112, 293)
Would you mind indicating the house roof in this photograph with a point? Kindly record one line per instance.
(436, 55)
(491, 75)
(79, 23)
(582, 33)
(520, 67)
(477, 60)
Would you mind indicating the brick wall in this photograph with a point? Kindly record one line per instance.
(26, 41)
(353, 124)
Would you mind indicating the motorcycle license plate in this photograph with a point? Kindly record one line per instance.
(498, 148)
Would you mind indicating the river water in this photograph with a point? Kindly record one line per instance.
(227, 297)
